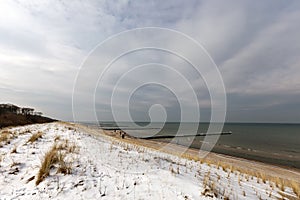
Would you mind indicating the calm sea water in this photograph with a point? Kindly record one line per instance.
(270, 143)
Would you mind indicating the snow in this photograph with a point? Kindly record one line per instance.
(106, 168)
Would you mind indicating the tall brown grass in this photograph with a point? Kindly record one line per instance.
(56, 157)
(51, 158)
(296, 188)
(34, 137)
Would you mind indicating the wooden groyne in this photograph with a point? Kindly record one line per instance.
(194, 135)
(123, 131)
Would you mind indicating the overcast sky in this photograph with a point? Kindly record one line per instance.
(255, 45)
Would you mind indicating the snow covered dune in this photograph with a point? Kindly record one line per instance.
(60, 161)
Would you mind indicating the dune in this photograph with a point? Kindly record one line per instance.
(69, 161)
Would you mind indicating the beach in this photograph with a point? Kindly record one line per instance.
(100, 164)
(276, 144)
(240, 164)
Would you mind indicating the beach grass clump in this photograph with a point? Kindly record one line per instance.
(279, 183)
(56, 158)
(295, 187)
(5, 137)
(34, 137)
(62, 145)
(72, 148)
(63, 166)
(69, 147)
(51, 158)
(210, 187)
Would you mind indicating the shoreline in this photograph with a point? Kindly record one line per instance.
(248, 166)
(253, 142)
(281, 160)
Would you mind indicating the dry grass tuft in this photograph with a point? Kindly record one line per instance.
(51, 158)
(69, 147)
(210, 187)
(63, 166)
(296, 188)
(280, 183)
(5, 137)
(72, 148)
(34, 137)
(56, 158)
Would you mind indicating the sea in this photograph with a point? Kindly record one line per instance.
(273, 143)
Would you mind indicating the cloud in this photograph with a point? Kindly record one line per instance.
(254, 44)
(269, 62)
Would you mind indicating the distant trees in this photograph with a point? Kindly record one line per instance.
(10, 108)
(27, 111)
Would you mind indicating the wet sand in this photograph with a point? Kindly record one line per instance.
(288, 159)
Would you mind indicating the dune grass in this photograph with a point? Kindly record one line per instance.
(5, 137)
(51, 158)
(34, 137)
(296, 188)
(56, 158)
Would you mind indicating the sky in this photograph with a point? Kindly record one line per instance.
(254, 44)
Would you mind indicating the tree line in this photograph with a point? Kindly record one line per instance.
(10, 108)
